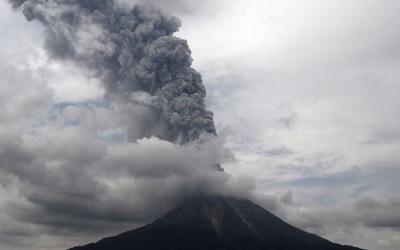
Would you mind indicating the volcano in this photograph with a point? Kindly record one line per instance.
(216, 223)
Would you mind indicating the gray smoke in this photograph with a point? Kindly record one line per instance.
(104, 168)
(137, 57)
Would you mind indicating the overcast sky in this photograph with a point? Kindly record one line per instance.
(305, 94)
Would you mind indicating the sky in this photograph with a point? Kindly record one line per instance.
(304, 96)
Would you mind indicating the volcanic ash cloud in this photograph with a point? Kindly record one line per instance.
(130, 157)
(135, 54)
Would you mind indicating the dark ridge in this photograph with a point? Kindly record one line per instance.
(216, 223)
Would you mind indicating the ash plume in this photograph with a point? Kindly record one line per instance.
(102, 165)
(134, 53)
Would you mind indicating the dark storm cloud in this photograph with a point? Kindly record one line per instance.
(79, 181)
(68, 179)
(132, 51)
(379, 213)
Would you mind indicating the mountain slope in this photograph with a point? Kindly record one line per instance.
(216, 223)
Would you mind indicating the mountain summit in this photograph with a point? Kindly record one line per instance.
(216, 223)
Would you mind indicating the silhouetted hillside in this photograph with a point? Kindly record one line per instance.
(216, 223)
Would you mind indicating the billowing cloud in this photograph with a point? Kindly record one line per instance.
(130, 50)
(105, 164)
(307, 89)
(69, 167)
